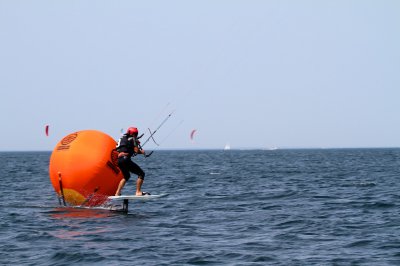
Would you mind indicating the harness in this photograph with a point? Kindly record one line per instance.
(126, 144)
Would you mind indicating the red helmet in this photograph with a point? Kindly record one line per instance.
(132, 131)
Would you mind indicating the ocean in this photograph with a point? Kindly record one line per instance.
(250, 207)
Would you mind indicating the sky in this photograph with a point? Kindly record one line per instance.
(251, 74)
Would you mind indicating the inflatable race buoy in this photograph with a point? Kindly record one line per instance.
(83, 168)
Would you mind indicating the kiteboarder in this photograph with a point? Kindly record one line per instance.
(128, 146)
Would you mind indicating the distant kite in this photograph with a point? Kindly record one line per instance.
(192, 134)
(47, 130)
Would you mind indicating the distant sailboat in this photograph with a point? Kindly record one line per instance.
(227, 147)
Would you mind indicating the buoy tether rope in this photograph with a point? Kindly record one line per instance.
(61, 188)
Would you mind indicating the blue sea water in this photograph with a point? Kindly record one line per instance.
(255, 207)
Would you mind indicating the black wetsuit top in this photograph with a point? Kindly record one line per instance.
(126, 144)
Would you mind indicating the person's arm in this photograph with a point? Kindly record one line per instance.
(137, 150)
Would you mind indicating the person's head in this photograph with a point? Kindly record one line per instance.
(133, 131)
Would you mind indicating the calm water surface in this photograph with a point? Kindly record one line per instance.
(282, 207)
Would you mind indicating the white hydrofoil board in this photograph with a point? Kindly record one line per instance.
(134, 197)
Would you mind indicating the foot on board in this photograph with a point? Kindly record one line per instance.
(143, 194)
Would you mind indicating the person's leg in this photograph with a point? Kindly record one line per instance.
(134, 168)
(124, 167)
(120, 187)
(139, 183)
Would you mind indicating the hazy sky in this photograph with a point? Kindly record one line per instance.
(250, 73)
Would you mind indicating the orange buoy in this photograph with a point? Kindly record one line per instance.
(83, 168)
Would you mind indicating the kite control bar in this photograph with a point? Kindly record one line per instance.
(152, 134)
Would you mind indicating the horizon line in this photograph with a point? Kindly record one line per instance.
(240, 149)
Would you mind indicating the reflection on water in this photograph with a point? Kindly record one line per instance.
(68, 234)
(75, 212)
(73, 222)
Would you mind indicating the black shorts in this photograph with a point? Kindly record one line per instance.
(127, 166)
